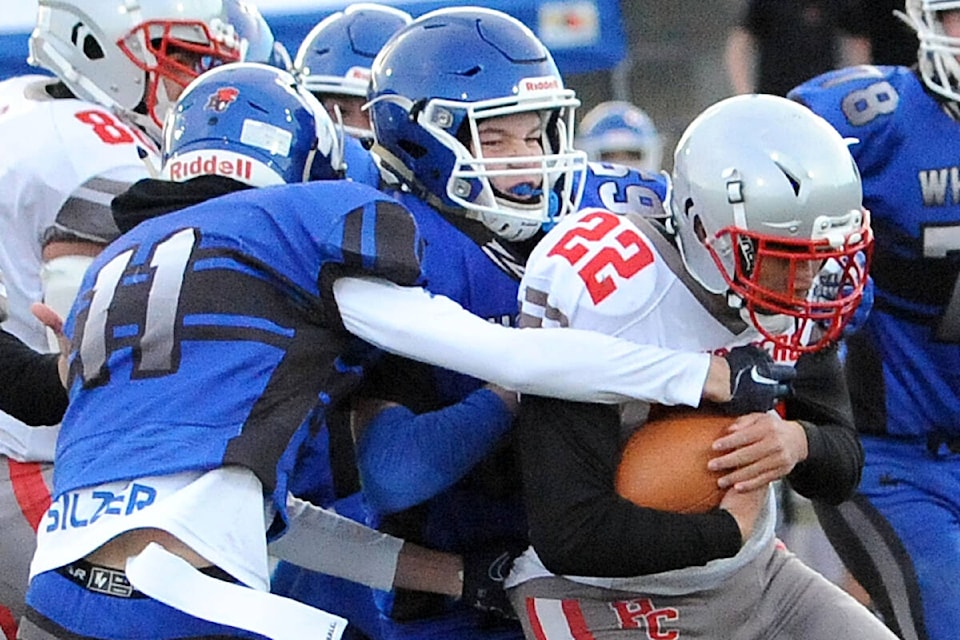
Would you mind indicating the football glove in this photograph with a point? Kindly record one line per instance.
(756, 381)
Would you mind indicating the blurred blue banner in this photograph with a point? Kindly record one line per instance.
(584, 35)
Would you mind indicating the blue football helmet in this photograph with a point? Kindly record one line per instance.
(617, 126)
(253, 123)
(260, 44)
(335, 57)
(473, 64)
(280, 57)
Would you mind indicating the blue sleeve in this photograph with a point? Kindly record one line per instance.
(405, 458)
(360, 164)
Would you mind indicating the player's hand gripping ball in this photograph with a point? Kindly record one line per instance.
(664, 463)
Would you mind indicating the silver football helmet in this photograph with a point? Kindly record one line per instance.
(938, 52)
(131, 56)
(762, 184)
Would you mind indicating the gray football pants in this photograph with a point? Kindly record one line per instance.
(775, 596)
(24, 498)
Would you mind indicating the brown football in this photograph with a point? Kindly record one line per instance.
(664, 463)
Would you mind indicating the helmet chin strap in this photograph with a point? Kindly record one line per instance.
(769, 323)
(774, 324)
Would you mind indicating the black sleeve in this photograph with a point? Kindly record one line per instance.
(821, 403)
(578, 523)
(753, 18)
(30, 388)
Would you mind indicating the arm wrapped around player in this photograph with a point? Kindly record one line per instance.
(578, 523)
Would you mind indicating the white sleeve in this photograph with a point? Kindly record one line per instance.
(321, 540)
(573, 364)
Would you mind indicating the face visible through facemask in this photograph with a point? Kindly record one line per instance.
(951, 23)
(790, 278)
(784, 283)
(181, 67)
(517, 135)
(351, 111)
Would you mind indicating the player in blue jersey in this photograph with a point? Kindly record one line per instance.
(290, 144)
(208, 346)
(327, 60)
(621, 132)
(899, 536)
(436, 464)
(74, 136)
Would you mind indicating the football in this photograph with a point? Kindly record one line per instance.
(664, 463)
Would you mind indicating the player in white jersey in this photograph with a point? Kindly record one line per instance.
(763, 194)
(62, 176)
(72, 142)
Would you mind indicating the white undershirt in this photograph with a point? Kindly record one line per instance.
(573, 364)
(222, 515)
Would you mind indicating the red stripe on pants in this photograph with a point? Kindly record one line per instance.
(7, 624)
(576, 621)
(534, 619)
(30, 490)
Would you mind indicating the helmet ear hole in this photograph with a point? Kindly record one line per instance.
(415, 150)
(698, 228)
(91, 48)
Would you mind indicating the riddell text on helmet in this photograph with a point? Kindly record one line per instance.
(181, 170)
(534, 85)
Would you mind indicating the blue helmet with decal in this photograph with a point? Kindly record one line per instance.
(623, 129)
(441, 76)
(253, 123)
